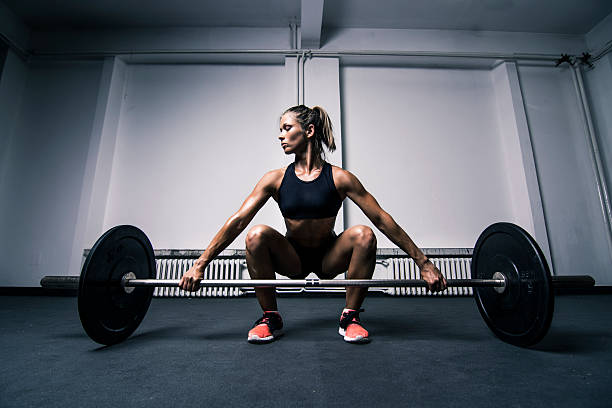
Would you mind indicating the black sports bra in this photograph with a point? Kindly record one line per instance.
(298, 199)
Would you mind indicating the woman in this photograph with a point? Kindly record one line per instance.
(309, 193)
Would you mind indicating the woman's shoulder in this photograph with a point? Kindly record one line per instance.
(344, 179)
(340, 173)
(277, 172)
(274, 177)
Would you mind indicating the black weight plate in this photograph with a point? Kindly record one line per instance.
(110, 315)
(523, 313)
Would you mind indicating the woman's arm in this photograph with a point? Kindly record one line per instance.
(352, 187)
(231, 229)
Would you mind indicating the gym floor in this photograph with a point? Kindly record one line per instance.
(193, 352)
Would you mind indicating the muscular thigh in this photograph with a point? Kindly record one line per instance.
(338, 258)
(285, 259)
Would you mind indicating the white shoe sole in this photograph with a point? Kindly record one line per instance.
(256, 339)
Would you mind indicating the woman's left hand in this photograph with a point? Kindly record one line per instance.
(432, 275)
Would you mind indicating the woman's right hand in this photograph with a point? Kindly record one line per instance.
(191, 279)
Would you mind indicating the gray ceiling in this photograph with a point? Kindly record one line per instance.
(541, 16)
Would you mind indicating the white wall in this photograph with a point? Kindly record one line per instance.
(518, 158)
(576, 227)
(177, 127)
(193, 141)
(12, 83)
(97, 171)
(44, 170)
(598, 83)
(425, 143)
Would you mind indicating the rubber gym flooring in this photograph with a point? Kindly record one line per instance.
(193, 352)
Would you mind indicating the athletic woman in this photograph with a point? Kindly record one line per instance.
(309, 193)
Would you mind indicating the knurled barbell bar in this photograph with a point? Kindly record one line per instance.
(513, 284)
(129, 282)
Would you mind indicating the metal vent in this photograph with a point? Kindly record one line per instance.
(454, 263)
(451, 268)
(174, 268)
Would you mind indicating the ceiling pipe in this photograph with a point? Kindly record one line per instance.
(297, 68)
(600, 178)
(293, 52)
(293, 35)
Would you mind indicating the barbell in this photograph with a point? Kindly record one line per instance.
(512, 281)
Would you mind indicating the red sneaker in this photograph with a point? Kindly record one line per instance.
(268, 328)
(351, 328)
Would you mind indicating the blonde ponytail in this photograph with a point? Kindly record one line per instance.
(327, 131)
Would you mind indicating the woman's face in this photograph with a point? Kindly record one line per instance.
(292, 137)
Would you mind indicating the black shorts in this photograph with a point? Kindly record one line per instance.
(311, 258)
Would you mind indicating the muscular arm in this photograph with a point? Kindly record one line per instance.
(354, 190)
(352, 187)
(231, 229)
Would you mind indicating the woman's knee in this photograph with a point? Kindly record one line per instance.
(257, 236)
(364, 238)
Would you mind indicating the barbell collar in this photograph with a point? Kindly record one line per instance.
(60, 282)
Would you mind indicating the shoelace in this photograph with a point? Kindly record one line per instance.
(350, 316)
(262, 320)
(265, 319)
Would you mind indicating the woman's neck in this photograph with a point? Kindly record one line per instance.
(308, 162)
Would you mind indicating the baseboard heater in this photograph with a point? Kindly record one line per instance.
(454, 263)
